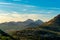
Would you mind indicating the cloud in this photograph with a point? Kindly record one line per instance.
(23, 8)
(4, 3)
(17, 0)
(19, 12)
(30, 6)
(15, 16)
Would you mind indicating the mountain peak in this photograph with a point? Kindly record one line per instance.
(29, 20)
(39, 20)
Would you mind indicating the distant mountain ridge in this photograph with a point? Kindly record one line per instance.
(20, 25)
(35, 24)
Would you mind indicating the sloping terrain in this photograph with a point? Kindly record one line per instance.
(5, 36)
(53, 24)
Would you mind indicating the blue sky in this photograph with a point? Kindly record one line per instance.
(20, 10)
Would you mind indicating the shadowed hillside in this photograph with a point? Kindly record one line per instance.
(5, 36)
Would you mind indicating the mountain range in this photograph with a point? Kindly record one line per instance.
(11, 26)
(47, 31)
(14, 26)
(32, 30)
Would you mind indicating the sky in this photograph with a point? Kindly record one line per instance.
(21, 10)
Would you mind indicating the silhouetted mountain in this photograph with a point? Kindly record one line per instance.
(35, 24)
(39, 22)
(19, 25)
(28, 21)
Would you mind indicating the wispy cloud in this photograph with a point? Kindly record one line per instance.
(15, 16)
(4, 3)
(21, 12)
(17, 0)
(23, 8)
